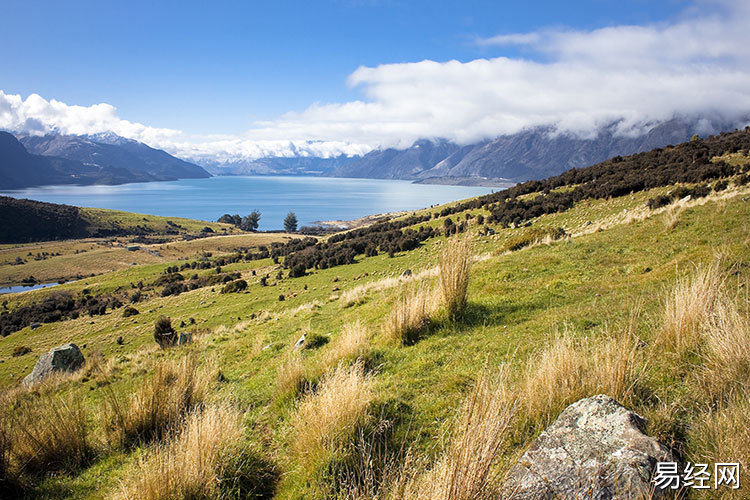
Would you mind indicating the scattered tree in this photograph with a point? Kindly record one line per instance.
(290, 223)
(250, 223)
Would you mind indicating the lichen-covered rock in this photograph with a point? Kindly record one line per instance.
(64, 358)
(595, 449)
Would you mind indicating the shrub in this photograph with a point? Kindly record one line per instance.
(315, 340)
(21, 350)
(158, 404)
(659, 201)
(297, 271)
(164, 334)
(234, 286)
(195, 461)
(455, 262)
(328, 419)
(174, 288)
(129, 311)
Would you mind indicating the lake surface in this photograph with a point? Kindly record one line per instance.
(24, 288)
(310, 198)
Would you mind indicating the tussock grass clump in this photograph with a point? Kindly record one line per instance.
(326, 420)
(409, 315)
(465, 470)
(688, 308)
(672, 215)
(353, 344)
(568, 370)
(455, 264)
(194, 461)
(532, 236)
(723, 435)
(159, 402)
(47, 432)
(290, 376)
(727, 349)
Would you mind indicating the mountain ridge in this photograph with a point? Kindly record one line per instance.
(527, 155)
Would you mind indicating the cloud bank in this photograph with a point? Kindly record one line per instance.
(574, 81)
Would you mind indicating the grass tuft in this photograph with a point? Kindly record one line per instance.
(159, 402)
(688, 308)
(290, 376)
(409, 315)
(455, 264)
(194, 461)
(352, 345)
(326, 420)
(727, 349)
(48, 433)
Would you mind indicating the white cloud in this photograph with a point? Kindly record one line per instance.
(633, 75)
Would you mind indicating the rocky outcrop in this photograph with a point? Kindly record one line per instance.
(64, 358)
(595, 449)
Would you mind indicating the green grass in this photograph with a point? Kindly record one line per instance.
(517, 301)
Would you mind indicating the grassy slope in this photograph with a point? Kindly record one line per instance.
(517, 302)
(99, 255)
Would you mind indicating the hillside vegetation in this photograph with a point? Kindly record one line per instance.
(413, 358)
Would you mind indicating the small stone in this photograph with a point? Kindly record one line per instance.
(185, 338)
(300, 342)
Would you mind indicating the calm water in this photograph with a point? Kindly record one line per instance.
(24, 288)
(310, 198)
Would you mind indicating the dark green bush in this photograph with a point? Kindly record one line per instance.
(164, 334)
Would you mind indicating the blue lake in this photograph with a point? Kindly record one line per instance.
(310, 198)
(24, 288)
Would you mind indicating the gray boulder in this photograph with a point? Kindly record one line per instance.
(185, 338)
(596, 449)
(64, 358)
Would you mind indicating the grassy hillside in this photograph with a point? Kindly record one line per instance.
(643, 300)
(24, 221)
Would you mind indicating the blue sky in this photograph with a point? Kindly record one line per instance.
(351, 72)
(214, 67)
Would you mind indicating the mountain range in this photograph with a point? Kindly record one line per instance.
(537, 153)
(27, 161)
(530, 154)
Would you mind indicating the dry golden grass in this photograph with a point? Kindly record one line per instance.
(159, 402)
(723, 435)
(47, 432)
(353, 344)
(327, 419)
(290, 376)
(409, 315)
(726, 335)
(466, 468)
(672, 215)
(455, 264)
(687, 308)
(569, 370)
(193, 460)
